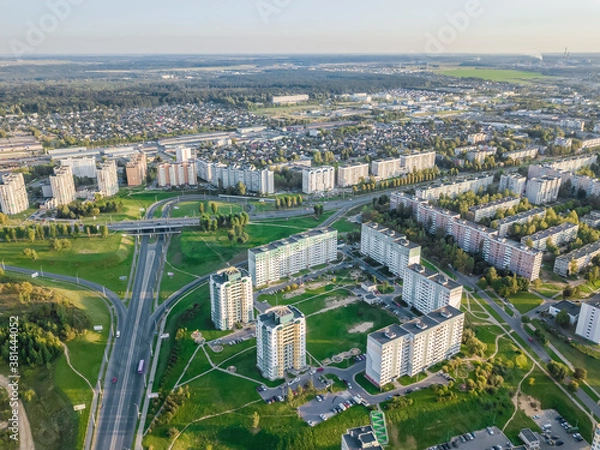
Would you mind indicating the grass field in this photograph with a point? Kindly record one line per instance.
(192, 208)
(499, 75)
(95, 259)
(525, 301)
(327, 333)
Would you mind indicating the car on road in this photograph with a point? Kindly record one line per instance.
(114, 380)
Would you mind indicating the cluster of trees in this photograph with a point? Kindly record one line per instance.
(504, 286)
(518, 230)
(370, 185)
(78, 210)
(172, 402)
(53, 231)
(58, 245)
(326, 157)
(489, 376)
(288, 201)
(30, 253)
(318, 209)
(235, 223)
(287, 180)
(471, 345)
(35, 346)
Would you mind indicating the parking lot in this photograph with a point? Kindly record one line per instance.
(315, 411)
(556, 432)
(477, 440)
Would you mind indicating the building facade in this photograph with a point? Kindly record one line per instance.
(289, 256)
(231, 299)
(352, 174)
(13, 195)
(576, 260)
(389, 247)
(426, 290)
(411, 348)
(505, 225)
(543, 190)
(455, 188)
(588, 324)
(63, 186)
(384, 169)
(81, 167)
(261, 181)
(177, 174)
(559, 235)
(514, 182)
(183, 154)
(108, 180)
(136, 170)
(318, 179)
(280, 341)
(479, 212)
(518, 258)
(417, 161)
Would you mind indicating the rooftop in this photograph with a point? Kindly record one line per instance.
(552, 231)
(280, 315)
(581, 252)
(434, 276)
(361, 438)
(495, 203)
(572, 308)
(294, 238)
(523, 215)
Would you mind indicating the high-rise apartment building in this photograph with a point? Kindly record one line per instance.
(352, 174)
(543, 190)
(280, 341)
(271, 262)
(384, 169)
(596, 438)
(183, 154)
(177, 174)
(231, 300)
(318, 179)
(81, 167)
(13, 195)
(511, 255)
(108, 180)
(63, 186)
(514, 182)
(136, 169)
(417, 161)
(389, 247)
(255, 180)
(427, 290)
(588, 323)
(411, 348)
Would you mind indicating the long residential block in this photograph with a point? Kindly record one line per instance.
(560, 235)
(318, 179)
(409, 349)
(582, 257)
(479, 212)
(511, 255)
(504, 225)
(271, 262)
(352, 174)
(389, 247)
(455, 188)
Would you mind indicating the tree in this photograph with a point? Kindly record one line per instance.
(573, 386)
(255, 420)
(104, 231)
(173, 432)
(289, 394)
(573, 268)
(28, 395)
(531, 381)
(580, 373)
(562, 318)
(558, 370)
(31, 235)
(240, 188)
(213, 207)
(201, 208)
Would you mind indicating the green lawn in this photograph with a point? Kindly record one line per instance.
(192, 208)
(327, 333)
(499, 75)
(525, 301)
(95, 259)
(344, 226)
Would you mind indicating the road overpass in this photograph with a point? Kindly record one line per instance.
(155, 226)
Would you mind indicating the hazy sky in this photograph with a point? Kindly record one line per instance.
(298, 26)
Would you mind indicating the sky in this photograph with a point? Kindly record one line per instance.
(45, 27)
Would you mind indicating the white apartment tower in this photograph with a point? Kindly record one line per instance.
(108, 181)
(289, 256)
(588, 324)
(543, 190)
(411, 348)
(81, 167)
(384, 169)
(63, 186)
(177, 174)
(280, 341)
(318, 179)
(389, 247)
(13, 195)
(352, 174)
(231, 299)
(183, 154)
(427, 290)
(513, 182)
